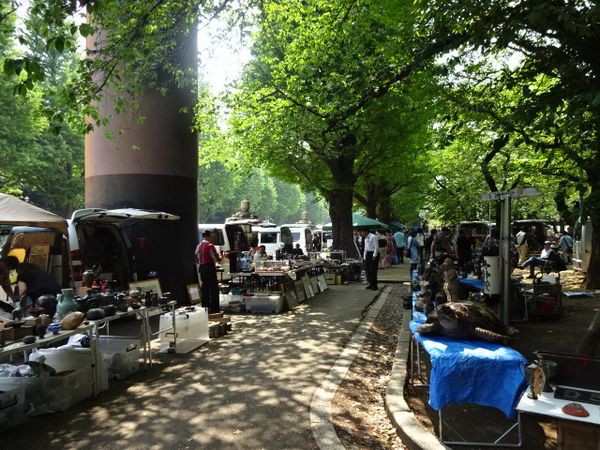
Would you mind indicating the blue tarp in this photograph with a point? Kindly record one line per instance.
(476, 283)
(473, 371)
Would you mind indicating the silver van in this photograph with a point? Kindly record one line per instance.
(228, 237)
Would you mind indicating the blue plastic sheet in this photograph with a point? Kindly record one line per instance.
(473, 371)
(476, 283)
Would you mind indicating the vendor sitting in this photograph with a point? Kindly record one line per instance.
(548, 256)
(297, 251)
(259, 254)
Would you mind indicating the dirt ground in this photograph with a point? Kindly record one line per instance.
(358, 408)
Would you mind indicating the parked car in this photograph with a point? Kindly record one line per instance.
(47, 248)
(539, 230)
(97, 239)
(228, 237)
(302, 234)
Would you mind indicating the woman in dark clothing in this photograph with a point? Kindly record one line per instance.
(32, 283)
(464, 250)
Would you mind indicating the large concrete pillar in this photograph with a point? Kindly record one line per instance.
(151, 164)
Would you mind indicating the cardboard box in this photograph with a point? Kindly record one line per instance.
(330, 278)
(14, 334)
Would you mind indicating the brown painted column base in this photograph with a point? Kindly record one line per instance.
(163, 246)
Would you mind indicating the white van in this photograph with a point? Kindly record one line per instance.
(97, 239)
(228, 237)
(274, 238)
(302, 234)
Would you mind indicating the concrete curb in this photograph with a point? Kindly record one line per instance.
(413, 434)
(321, 421)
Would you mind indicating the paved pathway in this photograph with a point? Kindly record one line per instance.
(251, 389)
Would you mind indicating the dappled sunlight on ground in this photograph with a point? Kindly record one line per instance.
(249, 389)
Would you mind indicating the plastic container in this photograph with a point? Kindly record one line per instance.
(121, 355)
(56, 393)
(265, 304)
(192, 330)
(12, 407)
(231, 302)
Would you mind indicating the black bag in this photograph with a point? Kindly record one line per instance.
(382, 243)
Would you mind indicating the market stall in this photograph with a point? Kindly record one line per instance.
(274, 285)
(566, 391)
(465, 371)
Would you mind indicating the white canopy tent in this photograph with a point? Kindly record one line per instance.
(19, 213)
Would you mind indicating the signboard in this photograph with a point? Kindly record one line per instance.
(525, 192)
(513, 193)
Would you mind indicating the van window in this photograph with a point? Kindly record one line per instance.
(268, 238)
(296, 235)
(238, 237)
(217, 234)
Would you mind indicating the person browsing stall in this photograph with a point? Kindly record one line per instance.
(399, 237)
(522, 245)
(371, 258)
(565, 244)
(32, 283)
(6, 265)
(207, 258)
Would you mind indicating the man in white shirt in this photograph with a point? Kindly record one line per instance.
(522, 246)
(547, 255)
(370, 258)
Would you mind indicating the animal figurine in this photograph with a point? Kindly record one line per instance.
(534, 374)
(451, 284)
(466, 320)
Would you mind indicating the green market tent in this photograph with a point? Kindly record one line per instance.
(360, 222)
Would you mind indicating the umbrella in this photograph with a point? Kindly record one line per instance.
(17, 212)
(360, 222)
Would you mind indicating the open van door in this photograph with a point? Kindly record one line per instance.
(46, 248)
(98, 238)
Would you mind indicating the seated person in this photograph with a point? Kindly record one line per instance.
(548, 256)
(32, 282)
(297, 251)
(260, 253)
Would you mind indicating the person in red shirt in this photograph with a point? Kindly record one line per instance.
(207, 257)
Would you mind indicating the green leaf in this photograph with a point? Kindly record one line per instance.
(85, 30)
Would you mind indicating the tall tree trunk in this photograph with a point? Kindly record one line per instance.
(340, 201)
(371, 205)
(385, 205)
(592, 280)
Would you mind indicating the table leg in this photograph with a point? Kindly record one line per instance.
(94, 355)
